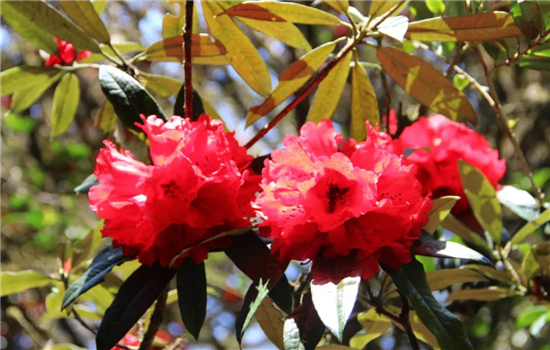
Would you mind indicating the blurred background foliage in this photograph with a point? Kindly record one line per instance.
(42, 218)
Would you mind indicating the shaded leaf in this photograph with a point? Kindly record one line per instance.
(201, 46)
(482, 198)
(426, 84)
(441, 208)
(536, 260)
(292, 79)
(24, 98)
(240, 52)
(286, 32)
(364, 106)
(23, 77)
(535, 63)
(82, 251)
(65, 102)
(303, 329)
(328, 94)
(528, 18)
(15, 282)
(429, 246)
(282, 12)
(447, 328)
(482, 294)
(477, 27)
(105, 118)
(133, 299)
(421, 332)
(85, 186)
(179, 108)
(270, 319)
(519, 201)
(191, 286)
(102, 264)
(83, 13)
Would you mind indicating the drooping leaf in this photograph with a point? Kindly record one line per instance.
(252, 300)
(24, 98)
(530, 227)
(364, 106)
(191, 284)
(477, 27)
(482, 198)
(128, 97)
(528, 17)
(47, 18)
(303, 329)
(291, 79)
(240, 52)
(339, 5)
(171, 49)
(447, 328)
(426, 84)
(15, 282)
(274, 11)
(105, 117)
(328, 94)
(100, 266)
(441, 208)
(519, 201)
(83, 13)
(286, 32)
(380, 7)
(394, 27)
(85, 186)
(23, 77)
(429, 246)
(453, 225)
(160, 84)
(65, 102)
(482, 294)
(374, 326)
(82, 251)
(133, 299)
(270, 319)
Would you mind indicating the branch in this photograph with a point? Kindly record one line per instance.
(156, 320)
(187, 36)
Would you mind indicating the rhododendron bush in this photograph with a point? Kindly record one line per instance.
(261, 174)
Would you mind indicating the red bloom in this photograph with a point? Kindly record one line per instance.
(439, 144)
(66, 55)
(196, 188)
(319, 199)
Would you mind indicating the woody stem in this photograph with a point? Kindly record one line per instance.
(187, 66)
(156, 320)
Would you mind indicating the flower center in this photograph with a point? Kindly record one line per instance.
(334, 195)
(171, 189)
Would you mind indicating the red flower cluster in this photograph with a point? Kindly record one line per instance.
(67, 54)
(361, 198)
(439, 144)
(197, 187)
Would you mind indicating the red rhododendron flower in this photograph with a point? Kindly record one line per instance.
(439, 144)
(66, 55)
(361, 198)
(197, 187)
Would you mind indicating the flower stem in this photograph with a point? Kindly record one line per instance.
(187, 65)
(156, 320)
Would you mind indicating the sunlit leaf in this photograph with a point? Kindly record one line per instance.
(286, 32)
(65, 103)
(441, 208)
(160, 84)
(328, 93)
(482, 198)
(453, 225)
(477, 27)
(339, 5)
(99, 6)
(83, 13)
(24, 98)
(535, 63)
(15, 282)
(519, 201)
(201, 46)
(270, 319)
(252, 300)
(437, 7)
(492, 273)
(241, 53)
(364, 106)
(482, 294)
(23, 77)
(394, 27)
(421, 332)
(292, 79)
(427, 245)
(122, 48)
(426, 84)
(282, 12)
(105, 118)
(374, 325)
(530, 315)
(380, 7)
(303, 329)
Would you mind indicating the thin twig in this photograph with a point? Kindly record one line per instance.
(156, 321)
(187, 65)
(406, 326)
(405, 322)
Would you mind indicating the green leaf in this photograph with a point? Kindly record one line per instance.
(536, 260)
(127, 96)
(437, 7)
(65, 102)
(105, 118)
(519, 201)
(24, 98)
(46, 17)
(250, 306)
(427, 245)
(339, 5)
(83, 13)
(28, 29)
(535, 63)
(122, 48)
(15, 282)
(83, 250)
(441, 208)
(328, 94)
(453, 225)
(191, 285)
(23, 77)
(286, 32)
(426, 84)
(364, 106)
(270, 319)
(303, 329)
(492, 273)
(66, 346)
(442, 279)
(448, 329)
(160, 84)
(482, 198)
(374, 326)
(482, 294)
(530, 315)
(380, 7)
(528, 17)
(99, 6)
(85, 186)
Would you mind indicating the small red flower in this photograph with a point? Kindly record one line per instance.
(66, 54)
(359, 198)
(391, 122)
(197, 187)
(439, 144)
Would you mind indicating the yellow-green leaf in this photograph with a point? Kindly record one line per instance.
(83, 13)
(22, 77)
(24, 98)
(99, 6)
(380, 7)
(441, 208)
(241, 53)
(201, 46)
(160, 84)
(329, 91)
(374, 326)
(292, 79)
(339, 5)
(491, 273)
(364, 106)
(282, 12)
(123, 47)
(15, 282)
(530, 227)
(286, 32)
(482, 294)
(426, 84)
(453, 225)
(105, 118)
(483, 199)
(173, 25)
(477, 27)
(65, 102)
